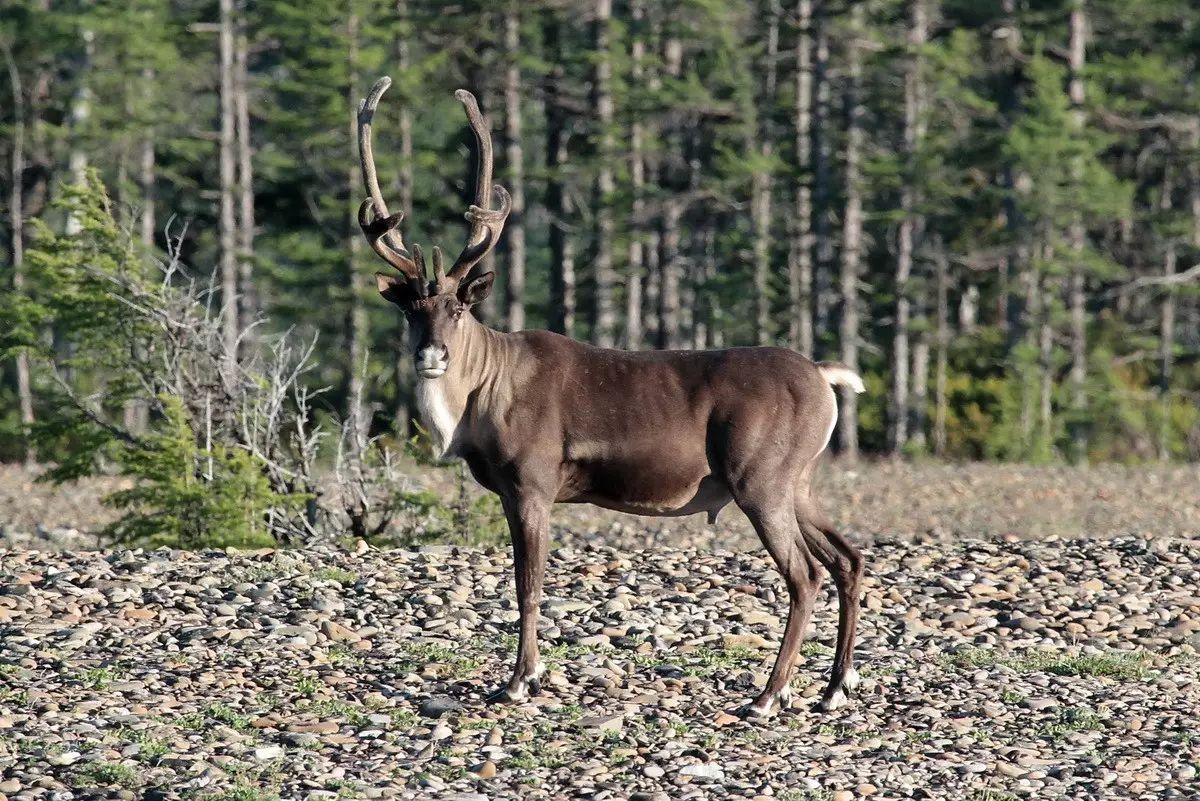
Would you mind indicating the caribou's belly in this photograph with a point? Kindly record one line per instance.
(659, 488)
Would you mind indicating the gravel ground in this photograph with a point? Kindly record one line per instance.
(927, 501)
(993, 670)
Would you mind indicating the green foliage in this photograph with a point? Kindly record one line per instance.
(190, 497)
(473, 517)
(188, 491)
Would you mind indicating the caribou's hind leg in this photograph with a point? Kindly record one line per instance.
(845, 563)
(776, 527)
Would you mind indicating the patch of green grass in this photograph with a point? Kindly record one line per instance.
(266, 702)
(228, 716)
(840, 730)
(405, 718)
(972, 658)
(329, 708)
(705, 662)
(336, 574)
(150, 749)
(805, 795)
(1117, 665)
(243, 792)
(341, 655)
(15, 697)
(572, 712)
(345, 788)
(108, 773)
(554, 655)
(178, 660)
(417, 655)
(988, 794)
(814, 648)
(192, 721)
(876, 671)
(99, 678)
(306, 685)
(1070, 719)
(534, 760)
(198, 721)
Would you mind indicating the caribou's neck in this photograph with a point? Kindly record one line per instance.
(479, 371)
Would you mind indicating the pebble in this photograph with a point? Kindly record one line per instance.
(439, 705)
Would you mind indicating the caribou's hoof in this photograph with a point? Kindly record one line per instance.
(519, 690)
(508, 695)
(766, 706)
(753, 712)
(837, 697)
(831, 701)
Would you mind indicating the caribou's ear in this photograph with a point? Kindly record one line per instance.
(394, 288)
(476, 289)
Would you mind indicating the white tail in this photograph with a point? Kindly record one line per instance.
(839, 375)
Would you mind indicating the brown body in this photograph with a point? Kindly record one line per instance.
(542, 419)
(654, 433)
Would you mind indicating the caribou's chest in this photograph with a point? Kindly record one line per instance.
(437, 415)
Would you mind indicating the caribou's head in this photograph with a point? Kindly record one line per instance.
(434, 305)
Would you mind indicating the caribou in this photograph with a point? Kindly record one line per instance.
(541, 419)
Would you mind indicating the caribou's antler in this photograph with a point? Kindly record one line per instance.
(486, 222)
(380, 227)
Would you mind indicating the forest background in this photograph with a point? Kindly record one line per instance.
(990, 209)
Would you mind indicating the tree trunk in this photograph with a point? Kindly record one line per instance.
(356, 317)
(137, 410)
(603, 313)
(943, 346)
(1166, 352)
(514, 230)
(1045, 370)
(909, 225)
(558, 202)
(800, 254)
(760, 193)
(1016, 262)
(146, 175)
(821, 136)
(16, 212)
(247, 297)
(1076, 281)
(402, 413)
(637, 178)
(852, 230)
(1030, 313)
(228, 177)
(919, 414)
(670, 266)
(81, 111)
(670, 263)
(1194, 180)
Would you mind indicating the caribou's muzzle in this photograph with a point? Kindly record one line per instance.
(432, 361)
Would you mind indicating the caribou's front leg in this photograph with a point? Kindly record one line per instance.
(529, 524)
